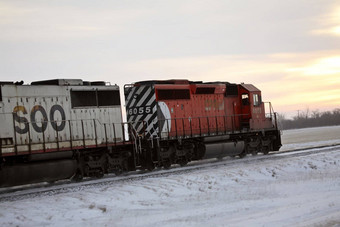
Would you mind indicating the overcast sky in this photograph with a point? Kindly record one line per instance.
(287, 48)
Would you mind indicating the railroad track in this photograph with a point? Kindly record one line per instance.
(65, 186)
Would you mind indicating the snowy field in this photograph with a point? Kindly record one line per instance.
(303, 191)
(309, 137)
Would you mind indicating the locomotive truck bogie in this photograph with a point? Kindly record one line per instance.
(97, 162)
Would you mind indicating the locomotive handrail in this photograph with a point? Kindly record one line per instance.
(44, 124)
(272, 114)
(208, 119)
(73, 120)
(182, 130)
(275, 120)
(144, 123)
(271, 109)
(189, 133)
(136, 143)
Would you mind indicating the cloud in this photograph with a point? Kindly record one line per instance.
(330, 23)
(233, 68)
(44, 23)
(314, 82)
(323, 66)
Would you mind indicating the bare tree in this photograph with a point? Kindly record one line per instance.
(316, 114)
(307, 113)
(308, 118)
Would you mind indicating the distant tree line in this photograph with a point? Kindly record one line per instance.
(307, 118)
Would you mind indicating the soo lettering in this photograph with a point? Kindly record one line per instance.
(41, 127)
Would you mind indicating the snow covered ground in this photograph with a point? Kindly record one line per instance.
(309, 137)
(303, 191)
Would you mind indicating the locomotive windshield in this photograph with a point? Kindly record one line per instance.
(257, 99)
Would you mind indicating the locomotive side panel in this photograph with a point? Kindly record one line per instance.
(32, 115)
(232, 113)
(195, 110)
(177, 101)
(232, 107)
(209, 111)
(95, 116)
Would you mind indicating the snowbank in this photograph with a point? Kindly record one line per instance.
(300, 191)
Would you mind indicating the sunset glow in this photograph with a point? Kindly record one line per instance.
(330, 23)
(336, 30)
(324, 66)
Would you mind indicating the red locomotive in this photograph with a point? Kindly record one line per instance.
(185, 120)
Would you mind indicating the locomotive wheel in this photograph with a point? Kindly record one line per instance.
(268, 148)
(265, 151)
(150, 166)
(220, 157)
(100, 173)
(118, 172)
(78, 176)
(167, 164)
(183, 162)
(199, 151)
(243, 154)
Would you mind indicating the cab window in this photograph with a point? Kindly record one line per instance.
(256, 99)
(245, 99)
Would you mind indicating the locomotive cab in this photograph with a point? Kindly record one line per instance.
(253, 114)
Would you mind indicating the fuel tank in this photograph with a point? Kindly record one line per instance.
(223, 149)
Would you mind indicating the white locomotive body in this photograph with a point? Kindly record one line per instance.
(56, 115)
